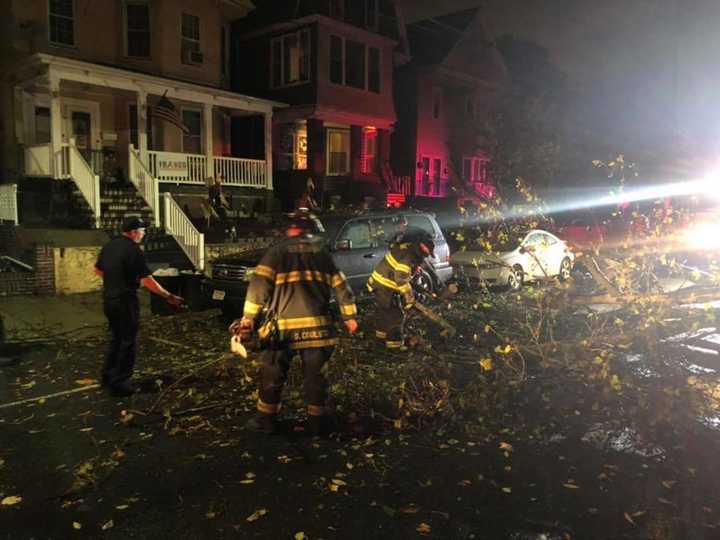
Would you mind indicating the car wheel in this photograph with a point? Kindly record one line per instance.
(565, 269)
(423, 286)
(516, 278)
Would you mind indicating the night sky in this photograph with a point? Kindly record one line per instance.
(648, 71)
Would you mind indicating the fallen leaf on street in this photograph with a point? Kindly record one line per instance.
(257, 514)
(506, 446)
(423, 528)
(300, 536)
(109, 525)
(629, 519)
(86, 382)
(571, 486)
(10, 501)
(77, 526)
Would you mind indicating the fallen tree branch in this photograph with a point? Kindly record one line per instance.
(48, 396)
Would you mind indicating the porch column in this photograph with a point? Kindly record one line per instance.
(56, 126)
(142, 126)
(268, 151)
(208, 134)
(316, 147)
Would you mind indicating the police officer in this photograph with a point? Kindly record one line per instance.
(390, 284)
(294, 281)
(123, 268)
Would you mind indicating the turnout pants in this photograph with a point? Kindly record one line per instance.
(390, 318)
(273, 374)
(123, 315)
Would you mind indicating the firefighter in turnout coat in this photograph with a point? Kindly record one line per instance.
(390, 283)
(294, 281)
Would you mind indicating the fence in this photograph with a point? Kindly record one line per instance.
(187, 236)
(144, 182)
(8, 203)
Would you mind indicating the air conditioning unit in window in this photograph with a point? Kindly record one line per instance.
(192, 57)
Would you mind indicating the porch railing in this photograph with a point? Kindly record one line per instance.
(187, 236)
(74, 165)
(177, 167)
(38, 160)
(8, 203)
(145, 183)
(241, 172)
(192, 169)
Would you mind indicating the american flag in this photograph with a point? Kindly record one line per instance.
(165, 110)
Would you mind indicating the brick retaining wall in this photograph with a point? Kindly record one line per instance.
(41, 281)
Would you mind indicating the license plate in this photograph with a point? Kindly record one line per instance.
(218, 295)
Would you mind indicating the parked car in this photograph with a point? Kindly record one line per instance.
(515, 259)
(357, 244)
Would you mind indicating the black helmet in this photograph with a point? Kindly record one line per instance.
(306, 222)
(418, 236)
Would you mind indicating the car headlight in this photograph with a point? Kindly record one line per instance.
(704, 236)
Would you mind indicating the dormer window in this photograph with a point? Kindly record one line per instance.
(61, 22)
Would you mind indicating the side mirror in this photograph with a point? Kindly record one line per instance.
(343, 245)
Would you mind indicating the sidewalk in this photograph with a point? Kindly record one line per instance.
(28, 317)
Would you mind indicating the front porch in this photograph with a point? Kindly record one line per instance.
(98, 125)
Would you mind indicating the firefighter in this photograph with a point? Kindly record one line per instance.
(294, 281)
(123, 268)
(390, 283)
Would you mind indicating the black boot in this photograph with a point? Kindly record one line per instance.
(122, 389)
(262, 423)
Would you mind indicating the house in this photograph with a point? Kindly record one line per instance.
(442, 98)
(332, 61)
(101, 93)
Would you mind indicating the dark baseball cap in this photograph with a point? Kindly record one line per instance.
(133, 222)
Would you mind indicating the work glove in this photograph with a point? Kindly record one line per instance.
(242, 327)
(351, 325)
(175, 302)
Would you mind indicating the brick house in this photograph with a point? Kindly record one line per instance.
(442, 97)
(332, 61)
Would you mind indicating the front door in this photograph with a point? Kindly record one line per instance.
(82, 124)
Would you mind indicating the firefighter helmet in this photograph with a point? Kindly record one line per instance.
(419, 237)
(305, 222)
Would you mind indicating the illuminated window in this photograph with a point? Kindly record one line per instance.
(291, 59)
(300, 148)
(338, 151)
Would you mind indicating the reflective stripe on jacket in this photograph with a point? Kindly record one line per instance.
(394, 272)
(295, 279)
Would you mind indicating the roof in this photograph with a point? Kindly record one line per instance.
(432, 40)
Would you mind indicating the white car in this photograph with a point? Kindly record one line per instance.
(532, 256)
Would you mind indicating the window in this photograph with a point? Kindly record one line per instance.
(42, 125)
(300, 148)
(420, 222)
(137, 27)
(371, 14)
(369, 151)
(358, 232)
(354, 64)
(475, 170)
(435, 182)
(192, 141)
(374, 70)
(291, 59)
(338, 151)
(61, 22)
(190, 44)
(133, 123)
(336, 60)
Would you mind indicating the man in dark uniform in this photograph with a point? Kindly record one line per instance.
(294, 280)
(122, 266)
(390, 283)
